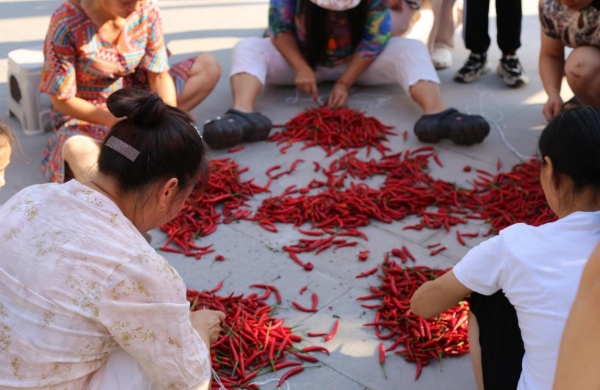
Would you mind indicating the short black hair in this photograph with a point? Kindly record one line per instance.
(572, 142)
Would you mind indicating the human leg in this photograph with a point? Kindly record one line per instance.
(500, 340)
(441, 37)
(255, 61)
(477, 40)
(81, 153)
(202, 74)
(508, 21)
(407, 62)
(475, 350)
(582, 70)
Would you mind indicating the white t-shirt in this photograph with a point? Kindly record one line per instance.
(539, 269)
(77, 281)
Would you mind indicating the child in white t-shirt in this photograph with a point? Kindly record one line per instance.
(532, 272)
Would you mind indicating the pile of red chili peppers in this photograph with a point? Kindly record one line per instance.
(252, 342)
(331, 205)
(417, 339)
(333, 129)
(199, 216)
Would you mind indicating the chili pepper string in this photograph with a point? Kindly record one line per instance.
(333, 129)
(252, 342)
(199, 216)
(416, 339)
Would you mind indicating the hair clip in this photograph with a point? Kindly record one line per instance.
(122, 148)
(197, 131)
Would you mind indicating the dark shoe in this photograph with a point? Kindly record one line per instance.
(511, 71)
(475, 67)
(235, 127)
(462, 129)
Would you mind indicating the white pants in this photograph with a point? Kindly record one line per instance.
(403, 61)
(120, 372)
(442, 26)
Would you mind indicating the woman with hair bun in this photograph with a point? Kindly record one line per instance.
(96, 47)
(524, 281)
(86, 302)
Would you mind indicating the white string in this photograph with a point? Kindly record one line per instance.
(222, 386)
(287, 384)
(487, 112)
(297, 99)
(218, 380)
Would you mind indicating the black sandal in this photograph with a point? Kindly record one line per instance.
(462, 129)
(235, 127)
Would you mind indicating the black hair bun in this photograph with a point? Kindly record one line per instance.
(138, 105)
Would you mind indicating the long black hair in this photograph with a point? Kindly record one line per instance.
(315, 20)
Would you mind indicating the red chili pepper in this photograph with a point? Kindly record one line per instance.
(315, 301)
(310, 334)
(438, 250)
(236, 149)
(303, 289)
(217, 287)
(331, 334)
(460, 239)
(288, 374)
(382, 358)
(367, 273)
(219, 257)
(316, 348)
(467, 168)
(302, 308)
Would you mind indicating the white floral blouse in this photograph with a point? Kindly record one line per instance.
(77, 281)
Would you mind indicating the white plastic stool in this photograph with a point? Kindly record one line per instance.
(24, 100)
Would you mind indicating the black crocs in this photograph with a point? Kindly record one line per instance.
(235, 127)
(462, 129)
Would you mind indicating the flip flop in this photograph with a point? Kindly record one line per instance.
(462, 129)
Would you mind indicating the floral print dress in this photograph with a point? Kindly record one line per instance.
(284, 16)
(77, 281)
(79, 62)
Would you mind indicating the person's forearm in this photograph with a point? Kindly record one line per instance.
(355, 68)
(287, 45)
(83, 110)
(163, 85)
(551, 73)
(576, 368)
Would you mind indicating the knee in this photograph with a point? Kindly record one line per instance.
(582, 65)
(77, 145)
(208, 65)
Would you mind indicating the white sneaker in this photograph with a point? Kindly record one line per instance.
(441, 57)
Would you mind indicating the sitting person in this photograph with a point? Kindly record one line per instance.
(576, 25)
(95, 47)
(524, 281)
(87, 303)
(345, 41)
(440, 38)
(7, 141)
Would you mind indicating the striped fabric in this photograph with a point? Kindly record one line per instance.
(79, 62)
